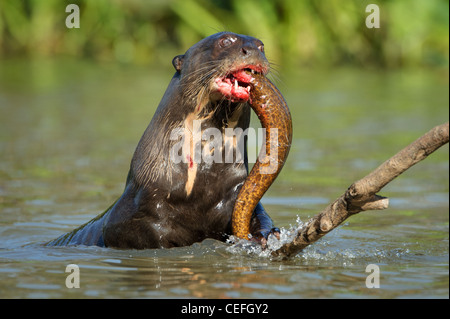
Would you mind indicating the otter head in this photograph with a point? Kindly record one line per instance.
(214, 68)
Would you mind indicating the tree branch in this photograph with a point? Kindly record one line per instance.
(361, 195)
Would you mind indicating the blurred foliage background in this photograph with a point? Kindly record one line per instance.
(296, 33)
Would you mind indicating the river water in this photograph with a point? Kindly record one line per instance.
(68, 131)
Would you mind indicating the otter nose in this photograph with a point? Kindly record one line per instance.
(251, 49)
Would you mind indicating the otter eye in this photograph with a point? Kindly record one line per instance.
(229, 40)
(261, 48)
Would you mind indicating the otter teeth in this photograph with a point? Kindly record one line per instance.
(235, 84)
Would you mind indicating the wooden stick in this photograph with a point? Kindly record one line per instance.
(361, 195)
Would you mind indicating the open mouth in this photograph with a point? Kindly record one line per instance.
(235, 85)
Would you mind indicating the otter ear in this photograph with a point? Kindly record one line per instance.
(178, 62)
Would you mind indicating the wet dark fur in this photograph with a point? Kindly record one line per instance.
(155, 210)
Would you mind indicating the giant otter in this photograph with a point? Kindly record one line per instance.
(169, 203)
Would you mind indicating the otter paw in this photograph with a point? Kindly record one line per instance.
(264, 235)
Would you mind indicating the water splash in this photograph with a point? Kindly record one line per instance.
(334, 248)
(248, 247)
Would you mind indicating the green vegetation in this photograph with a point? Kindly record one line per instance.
(300, 33)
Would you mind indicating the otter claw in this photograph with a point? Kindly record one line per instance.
(264, 235)
(276, 232)
(263, 243)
